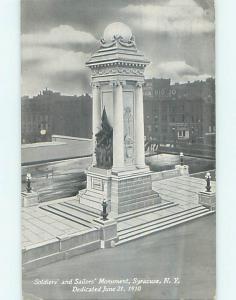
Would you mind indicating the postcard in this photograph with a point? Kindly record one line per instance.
(118, 166)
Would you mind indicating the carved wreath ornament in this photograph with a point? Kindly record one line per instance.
(118, 39)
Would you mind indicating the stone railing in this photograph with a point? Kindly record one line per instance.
(60, 247)
(102, 235)
(156, 176)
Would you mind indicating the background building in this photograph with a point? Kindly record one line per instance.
(178, 114)
(52, 113)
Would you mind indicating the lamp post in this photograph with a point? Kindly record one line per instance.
(28, 183)
(208, 182)
(181, 156)
(104, 210)
(174, 136)
(43, 133)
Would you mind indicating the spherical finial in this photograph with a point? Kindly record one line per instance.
(117, 29)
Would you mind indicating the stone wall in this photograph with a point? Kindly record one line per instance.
(156, 176)
(61, 147)
(60, 248)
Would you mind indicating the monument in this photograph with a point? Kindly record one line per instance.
(118, 173)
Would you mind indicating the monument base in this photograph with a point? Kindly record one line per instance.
(183, 170)
(207, 199)
(29, 199)
(123, 190)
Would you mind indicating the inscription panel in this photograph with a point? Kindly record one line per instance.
(97, 184)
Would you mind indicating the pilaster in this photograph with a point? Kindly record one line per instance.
(96, 116)
(118, 127)
(139, 126)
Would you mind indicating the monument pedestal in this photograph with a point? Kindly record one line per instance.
(183, 170)
(29, 199)
(98, 188)
(207, 199)
(131, 190)
(124, 190)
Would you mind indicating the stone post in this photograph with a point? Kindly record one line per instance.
(108, 232)
(207, 199)
(118, 128)
(139, 127)
(96, 115)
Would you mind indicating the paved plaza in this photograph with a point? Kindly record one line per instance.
(56, 218)
(186, 251)
(40, 226)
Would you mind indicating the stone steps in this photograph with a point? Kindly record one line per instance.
(84, 209)
(69, 214)
(144, 229)
(143, 211)
(139, 202)
(130, 196)
(91, 201)
(150, 195)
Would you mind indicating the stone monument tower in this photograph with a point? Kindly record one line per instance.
(118, 172)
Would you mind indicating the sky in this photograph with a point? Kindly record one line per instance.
(59, 36)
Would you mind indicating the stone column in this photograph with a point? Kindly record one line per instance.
(118, 127)
(139, 126)
(96, 116)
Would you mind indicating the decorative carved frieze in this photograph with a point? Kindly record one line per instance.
(117, 70)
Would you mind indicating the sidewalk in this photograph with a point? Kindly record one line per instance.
(40, 226)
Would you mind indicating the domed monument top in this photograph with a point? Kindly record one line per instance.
(117, 30)
(117, 47)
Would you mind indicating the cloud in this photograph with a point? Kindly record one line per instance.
(61, 35)
(176, 16)
(44, 66)
(49, 59)
(176, 67)
(178, 71)
(54, 60)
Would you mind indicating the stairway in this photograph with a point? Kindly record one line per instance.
(76, 213)
(91, 199)
(170, 220)
(144, 211)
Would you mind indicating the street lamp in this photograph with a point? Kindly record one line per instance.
(208, 181)
(28, 183)
(43, 133)
(181, 156)
(104, 210)
(174, 136)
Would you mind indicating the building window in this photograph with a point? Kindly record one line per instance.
(183, 134)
